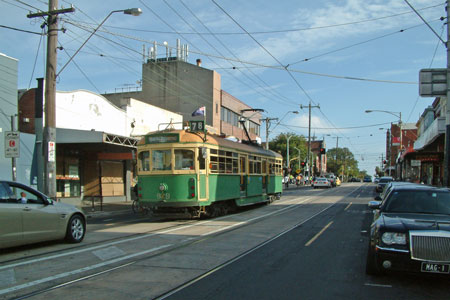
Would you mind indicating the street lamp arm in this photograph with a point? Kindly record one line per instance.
(130, 11)
(396, 114)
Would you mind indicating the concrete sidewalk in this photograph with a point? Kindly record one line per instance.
(105, 209)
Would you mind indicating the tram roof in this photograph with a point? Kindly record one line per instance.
(197, 137)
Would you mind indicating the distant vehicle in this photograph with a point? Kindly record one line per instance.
(322, 182)
(376, 179)
(338, 181)
(410, 230)
(354, 179)
(28, 216)
(382, 182)
(331, 178)
(367, 178)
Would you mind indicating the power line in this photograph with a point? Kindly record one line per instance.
(21, 30)
(272, 31)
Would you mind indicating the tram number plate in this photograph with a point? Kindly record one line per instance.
(435, 268)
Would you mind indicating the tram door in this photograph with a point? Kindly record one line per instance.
(265, 176)
(202, 175)
(243, 174)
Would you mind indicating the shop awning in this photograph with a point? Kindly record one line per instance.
(74, 136)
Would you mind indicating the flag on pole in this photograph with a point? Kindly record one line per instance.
(199, 111)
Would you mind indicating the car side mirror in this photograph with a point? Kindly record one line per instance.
(377, 198)
(374, 204)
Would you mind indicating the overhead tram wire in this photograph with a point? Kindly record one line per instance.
(35, 59)
(235, 56)
(26, 4)
(359, 43)
(273, 67)
(138, 74)
(267, 51)
(276, 31)
(122, 45)
(167, 24)
(431, 63)
(218, 51)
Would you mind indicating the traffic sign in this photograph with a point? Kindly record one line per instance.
(433, 82)
(12, 144)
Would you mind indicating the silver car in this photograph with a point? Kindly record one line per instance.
(28, 216)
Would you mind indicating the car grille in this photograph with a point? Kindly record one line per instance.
(430, 245)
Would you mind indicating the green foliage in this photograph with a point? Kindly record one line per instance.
(279, 144)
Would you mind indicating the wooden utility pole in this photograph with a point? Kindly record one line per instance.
(49, 138)
(308, 162)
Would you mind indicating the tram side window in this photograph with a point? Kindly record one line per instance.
(184, 159)
(144, 158)
(214, 164)
(161, 160)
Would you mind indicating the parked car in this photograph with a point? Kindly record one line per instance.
(376, 179)
(321, 182)
(338, 181)
(367, 178)
(354, 179)
(408, 225)
(382, 182)
(28, 216)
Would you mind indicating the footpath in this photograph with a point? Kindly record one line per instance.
(107, 209)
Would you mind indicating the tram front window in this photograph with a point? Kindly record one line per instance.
(184, 159)
(161, 160)
(144, 158)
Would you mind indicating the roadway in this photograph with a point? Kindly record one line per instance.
(311, 244)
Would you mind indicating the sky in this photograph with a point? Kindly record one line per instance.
(342, 56)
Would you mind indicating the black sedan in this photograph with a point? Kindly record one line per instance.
(410, 231)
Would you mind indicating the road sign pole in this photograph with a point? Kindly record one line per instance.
(13, 159)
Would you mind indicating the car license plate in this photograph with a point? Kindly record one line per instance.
(435, 268)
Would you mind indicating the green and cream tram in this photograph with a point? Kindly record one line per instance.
(186, 173)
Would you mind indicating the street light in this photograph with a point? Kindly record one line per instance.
(129, 11)
(288, 137)
(389, 145)
(291, 111)
(399, 116)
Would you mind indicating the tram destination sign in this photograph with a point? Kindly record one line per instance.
(159, 139)
(197, 126)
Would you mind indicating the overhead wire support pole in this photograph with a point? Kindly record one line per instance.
(426, 23)
(267, 120)
(308, 162)
(50, 95)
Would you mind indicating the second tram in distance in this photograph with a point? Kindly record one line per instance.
(182, 173)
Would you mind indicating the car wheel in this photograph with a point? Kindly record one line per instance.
(76, 229)
(371, 264)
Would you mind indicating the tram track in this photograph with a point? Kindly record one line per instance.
(128, 260)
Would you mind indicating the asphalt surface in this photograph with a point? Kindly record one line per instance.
(322, 259)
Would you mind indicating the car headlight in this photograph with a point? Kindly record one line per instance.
(390, 238)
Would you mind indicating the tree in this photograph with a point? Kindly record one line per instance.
(342, 162)
(296, 141)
